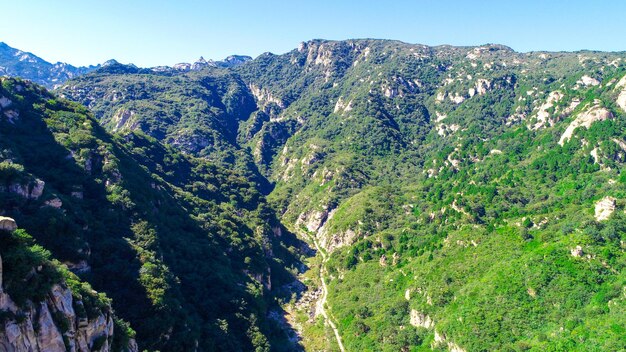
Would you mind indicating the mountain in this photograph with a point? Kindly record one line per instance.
(201, 63)
(459, 193)
(17, 63)
(187, 250)
(234, 60)
(457, 198)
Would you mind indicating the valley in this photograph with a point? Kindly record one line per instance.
(374, 195)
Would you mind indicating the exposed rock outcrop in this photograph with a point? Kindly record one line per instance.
(604, 208)
(121, 118)
(421, 320)
(313, 220)
(577, 251)
(31, 190)
(588, 81)
(53, 324)
(264, 97)
(585, 119)
(7, 224)
(54, 202)
(442, 340)
(338, 240)
(543, 115)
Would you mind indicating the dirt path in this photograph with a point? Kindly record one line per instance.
(322, 301)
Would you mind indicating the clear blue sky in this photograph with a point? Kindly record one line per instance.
(165, 32)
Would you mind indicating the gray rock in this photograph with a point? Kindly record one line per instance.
(7, 224)
(39, 332)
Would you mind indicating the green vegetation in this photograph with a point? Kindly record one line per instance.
(29, 273)
(174, 240)
(433, 178)
(458, 202)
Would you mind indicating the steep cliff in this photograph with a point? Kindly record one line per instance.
(39, 312)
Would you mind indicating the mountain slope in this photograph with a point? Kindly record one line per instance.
(187, 250)
(453, 188)
(406, 158)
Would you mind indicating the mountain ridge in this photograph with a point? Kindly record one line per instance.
(17, 63)
(460, 198)
(14, 62)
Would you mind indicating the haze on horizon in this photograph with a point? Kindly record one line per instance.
(153, 33)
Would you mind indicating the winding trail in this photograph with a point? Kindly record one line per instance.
(322, 301)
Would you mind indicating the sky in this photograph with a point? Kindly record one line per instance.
(165, 32)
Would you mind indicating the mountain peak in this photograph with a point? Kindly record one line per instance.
(110, 62)
(202, 63)
(235, 60)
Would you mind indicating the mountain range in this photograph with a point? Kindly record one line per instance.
(17, 63)
(358, 195)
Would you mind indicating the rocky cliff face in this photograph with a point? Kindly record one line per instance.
(58, 323)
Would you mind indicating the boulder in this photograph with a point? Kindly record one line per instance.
(7, 224)
(421, 320)
(577, 251)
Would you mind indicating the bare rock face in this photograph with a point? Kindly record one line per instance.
(585, 119)
(543, 116)
(48, 334)
(604, 208)
(577, 251)
(7, 224)
(313, 220)
(53, 325)
(338, 240)
(121, 118)
(588, 81)
(421, 320)
(442, 340)
(34, 190)
(37, 189)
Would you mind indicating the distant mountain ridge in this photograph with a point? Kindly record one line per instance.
(18, 63)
